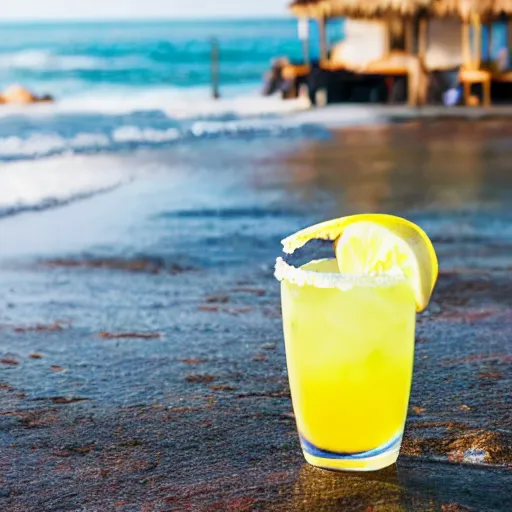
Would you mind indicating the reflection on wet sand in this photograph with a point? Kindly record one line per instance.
(443, 164)
(410, 486)
(326, 491)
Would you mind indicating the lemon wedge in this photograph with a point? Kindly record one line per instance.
(378, 244)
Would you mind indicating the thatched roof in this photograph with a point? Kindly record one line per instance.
(356, 8)
(378, 8)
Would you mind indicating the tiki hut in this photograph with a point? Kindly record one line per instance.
(438, 33)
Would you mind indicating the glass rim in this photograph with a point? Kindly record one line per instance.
(301, 277)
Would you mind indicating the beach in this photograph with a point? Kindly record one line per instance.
(142, 363)
(142, 360)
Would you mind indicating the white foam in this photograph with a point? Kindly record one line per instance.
(200, 128)
(194, 113)
(245, 105)
(44, 144)
(136, 134)
(89, 140)
(174, 102)
(33, 184)
(45, 60)
(345, 115)
(34, 145)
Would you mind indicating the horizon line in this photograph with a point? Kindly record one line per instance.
(155, 19)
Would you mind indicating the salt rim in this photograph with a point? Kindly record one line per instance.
(300, 277)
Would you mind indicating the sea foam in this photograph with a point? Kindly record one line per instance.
(36, 185)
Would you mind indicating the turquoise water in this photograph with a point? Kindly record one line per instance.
(132, 86)
(69, 58)
(66, 58)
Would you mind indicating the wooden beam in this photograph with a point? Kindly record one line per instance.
(423, 39)
(409, 35)
(414, 82)
(477, 41)
(417, 90)
(387, 36)
(323, 39)
(466, 46)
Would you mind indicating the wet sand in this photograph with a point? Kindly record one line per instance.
(142, 364)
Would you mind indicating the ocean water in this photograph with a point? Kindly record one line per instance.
(125, 86)
(69, 58)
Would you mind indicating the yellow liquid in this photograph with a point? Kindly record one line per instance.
(350, 360)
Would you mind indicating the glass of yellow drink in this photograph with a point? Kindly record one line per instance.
(349, 343)
(349, 352)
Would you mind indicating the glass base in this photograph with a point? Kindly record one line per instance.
(371, 460)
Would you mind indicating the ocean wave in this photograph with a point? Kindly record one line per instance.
(135, 134)
(175, 102)
(45, 60)
(240, 127)
(178, 103)
(131, 136)
(239, 106)
(45, 144)
(53, 181)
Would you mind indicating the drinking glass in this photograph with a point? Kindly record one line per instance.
(349, 351)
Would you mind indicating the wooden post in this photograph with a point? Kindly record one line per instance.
(477, 40)
(387, 35)
(323, 38)
(409, 35)
(466, 46)
(215, 69)
(486, 91)
(423, 39)
(467, 92)
(420, 80)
